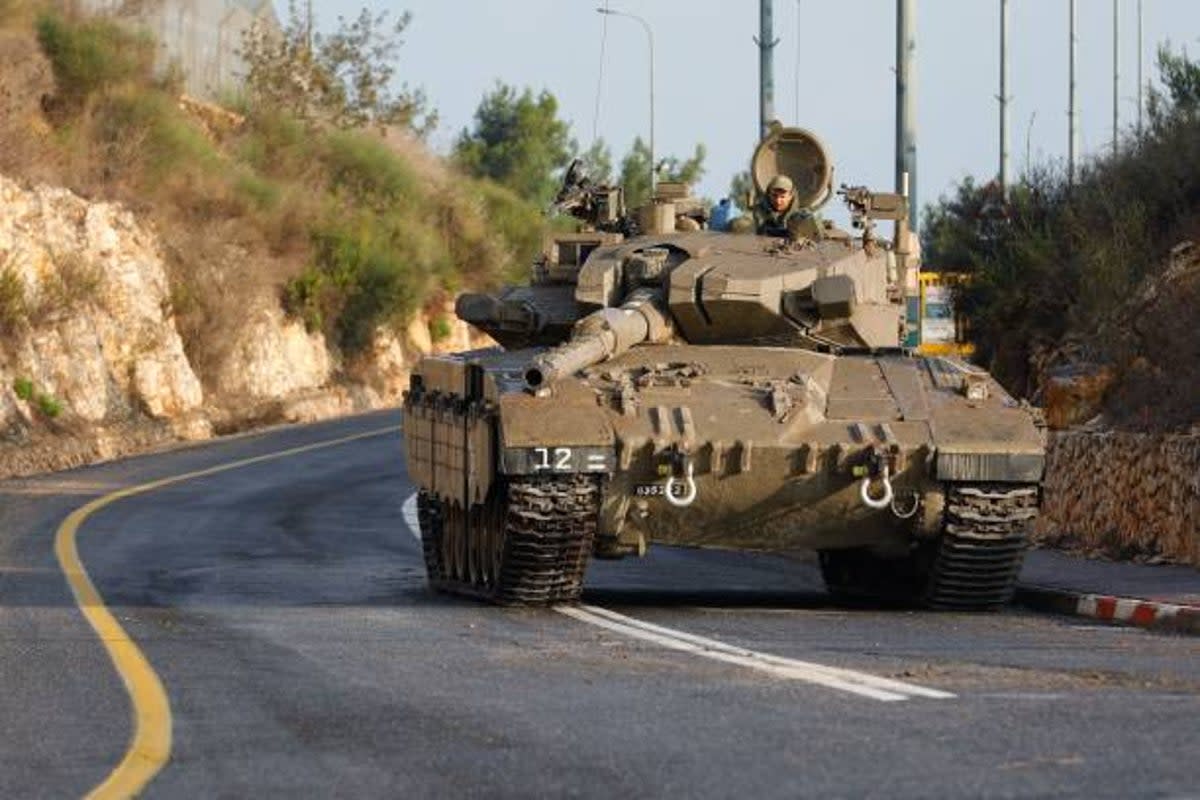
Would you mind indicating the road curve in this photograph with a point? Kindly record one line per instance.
(282, 605)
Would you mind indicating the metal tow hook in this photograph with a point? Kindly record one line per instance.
(682, 464)
(884, 500)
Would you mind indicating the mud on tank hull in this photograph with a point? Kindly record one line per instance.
(723, 446)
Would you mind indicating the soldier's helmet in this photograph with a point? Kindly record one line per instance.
(781, 183)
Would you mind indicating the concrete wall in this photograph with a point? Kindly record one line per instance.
(1124, 493)
(203, 37)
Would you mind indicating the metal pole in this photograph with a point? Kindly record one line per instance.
(766, 65)
(1116, 76)
(1141, 48)
(799, 33)
(1073, 107)
(650, 39)
(1004, 98)
(906, 102)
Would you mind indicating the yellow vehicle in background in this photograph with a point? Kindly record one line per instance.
(935, 327)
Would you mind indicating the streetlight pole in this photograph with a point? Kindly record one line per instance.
(650, 39)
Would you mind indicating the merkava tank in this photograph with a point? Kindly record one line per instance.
(662, 383)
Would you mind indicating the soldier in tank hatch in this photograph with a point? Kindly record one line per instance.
(777, 207)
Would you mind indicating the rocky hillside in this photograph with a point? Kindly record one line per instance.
(92, 364)
(169, 269)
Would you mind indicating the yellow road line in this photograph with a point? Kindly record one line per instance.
(150, 746)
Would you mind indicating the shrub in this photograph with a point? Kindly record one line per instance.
(364, 167)
(92, 56)
(48, 405)
(145, 129)
(23, 388)
(440, 329)
(13, 309)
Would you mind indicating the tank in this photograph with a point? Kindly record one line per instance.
(660, 383)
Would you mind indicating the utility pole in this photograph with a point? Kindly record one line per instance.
(1141, 49)
(906, 103)
(1003, 98)
(1073, 106)
(766, 65)
(1116, 76)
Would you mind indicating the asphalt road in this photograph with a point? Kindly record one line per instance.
(282, 605)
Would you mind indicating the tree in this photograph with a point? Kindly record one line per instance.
(741, 190)
(518, 141)
(343, 78)
(598, 160)
(1181, 80)
(635, 171)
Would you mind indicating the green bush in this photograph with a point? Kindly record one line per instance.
(519, 225)
(262, 193)
(92, 56)
(367, 271)
(23, 388)
(49, 405)
(364, 167)
(147, 128)
(440, 329)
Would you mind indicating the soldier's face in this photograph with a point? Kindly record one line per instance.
(780, 199)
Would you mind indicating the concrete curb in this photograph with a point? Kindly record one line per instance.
(1153, 614)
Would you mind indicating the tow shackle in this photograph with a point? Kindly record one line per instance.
(881, 469)
(682, 470)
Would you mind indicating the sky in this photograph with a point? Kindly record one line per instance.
(706, 75)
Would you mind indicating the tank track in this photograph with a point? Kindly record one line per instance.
(971, 566)
(982, 547)
(529, 545)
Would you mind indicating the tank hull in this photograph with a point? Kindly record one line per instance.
(778, 442)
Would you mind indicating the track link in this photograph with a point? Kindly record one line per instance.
(528, 546)
(983, 542)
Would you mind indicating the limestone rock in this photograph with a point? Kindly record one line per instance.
(91, 331)
(273, 357)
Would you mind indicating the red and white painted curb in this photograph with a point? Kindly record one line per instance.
(1106, 608)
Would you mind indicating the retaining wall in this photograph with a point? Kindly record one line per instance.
(1124, 494)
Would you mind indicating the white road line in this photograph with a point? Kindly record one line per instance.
(846, 680)
(791, 665)
(673, 641)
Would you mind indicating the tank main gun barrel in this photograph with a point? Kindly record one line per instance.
(602, 335)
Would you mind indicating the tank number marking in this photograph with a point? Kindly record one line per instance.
(657, 490)
(557, 459)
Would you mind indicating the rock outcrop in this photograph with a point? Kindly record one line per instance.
(86, 314)
(92, 365)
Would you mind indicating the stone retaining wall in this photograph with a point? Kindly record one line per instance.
(1124, 494)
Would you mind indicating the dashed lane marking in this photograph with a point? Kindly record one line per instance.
(150, 745)
(857, 683)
